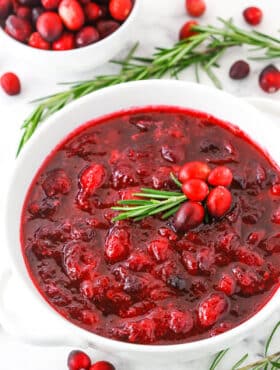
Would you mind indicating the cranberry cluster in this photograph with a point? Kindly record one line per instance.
(196, 178)
(78, 360)
(62, 24)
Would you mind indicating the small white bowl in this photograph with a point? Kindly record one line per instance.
(103, 102)
(65, 63)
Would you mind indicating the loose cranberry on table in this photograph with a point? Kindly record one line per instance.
(239, 70)
(102, 365)
(269, 79)
(253, 15)
(10, 83)
(195, 8)
(186, 31)
(78, 360)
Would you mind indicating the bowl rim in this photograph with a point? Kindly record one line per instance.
(27, 152)
(103, 43)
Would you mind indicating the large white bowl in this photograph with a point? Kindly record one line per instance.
(171, 93)
(64, 63)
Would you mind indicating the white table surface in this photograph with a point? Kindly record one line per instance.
(158, 26)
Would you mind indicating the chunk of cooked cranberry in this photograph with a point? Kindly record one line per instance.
(221, 328)
(249, 257)
(165, 270)
(89, 317)
(118, 298)
(161, 177)
(248, 280)
(86, 289)
(142, 331)
(180, 322)
(271, 244)
(123, 176)
(211, 309)
(275, 217)
(275, 189)
(139, 262)
(206, 259)
(45, 208)
(100, 285)
(56, 182)
(92, 178)
(218, 151)
(134, 284)
(159, 249)
(190, 262)
(117, 245)
(168, 233)
(255, 237)
(226, 284)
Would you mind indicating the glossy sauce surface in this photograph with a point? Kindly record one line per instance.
(141, 282)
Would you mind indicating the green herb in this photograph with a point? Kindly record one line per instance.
(218, 359)
(202, 50)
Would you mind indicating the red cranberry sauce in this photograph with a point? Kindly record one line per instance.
(141, 282)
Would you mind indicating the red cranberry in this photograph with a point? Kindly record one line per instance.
(29, 2)
(219, 201)
(189, 215)
(72, 14)
(253, 15)
(269, 79)
(220, 175)
(180, 322)
(5, 8)
(239, 70)
(120, 9)
(36, 12)
(227, 284)
(50, 26)
(78, 360)
(194, 170)
(36, 41)
(186, 31)
(87, 36)
(195, 189)
(65, 42)
(275, 189)
(102, 365)
(117, 245)
(92, 11)
(159, 249)
(20, 29)
(10, 83)
(195, 8)
(211, 309)
(24, 12)
(50, 4)
(106, 28)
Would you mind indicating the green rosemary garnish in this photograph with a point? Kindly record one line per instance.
(202, 50)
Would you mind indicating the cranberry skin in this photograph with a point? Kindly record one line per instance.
(72, 14)
(253, 15)
(219, 201)
(78, 360)
(106, 28)
(65, 42)
(36, 12)
(239, 70)
(5, 8)
(189, 215)
(120, 9)
(186, 31)
(50, 4)
(20, 29)
(211, 309)
(10, 83)
(220, 175)
(50, 26)
(92, 11)
(195, 189)
(36, 41)
(195, 8)
(29, 2)
(269, 79)
(87, 36)
(102, 365)
(194, 170)
(24, 12)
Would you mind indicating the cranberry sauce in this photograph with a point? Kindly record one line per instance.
(142, 282)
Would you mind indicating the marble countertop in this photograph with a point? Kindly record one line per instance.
(159, 26)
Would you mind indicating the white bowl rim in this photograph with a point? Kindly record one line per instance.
(203, 344)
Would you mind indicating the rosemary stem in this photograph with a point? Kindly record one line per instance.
(263, 361)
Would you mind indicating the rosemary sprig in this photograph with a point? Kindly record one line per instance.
(202, 50)
(268, 362)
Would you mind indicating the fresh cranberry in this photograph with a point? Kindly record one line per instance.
(120, 9)
(106, 28)
(195, 189)
(65, 42)
(239, 70)
(102, 365)
(36, 41)
(220, 175)
(211, 309)
(189, 215)
(50, 26)
(195, 8)
(186, 31)
(117, 245)
(20, 29)
(219, 201)
(269, 79)
(86, 36)
(30, 3)
(24, 12)
(92, 11)
(253, 15)
(10, 83)
(36, 12)
(78, 360)
(72, 14)
(194, 170)
(50, 4)
(5, 8)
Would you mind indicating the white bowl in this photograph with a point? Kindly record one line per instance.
(144, 93)
(64, 63)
